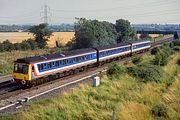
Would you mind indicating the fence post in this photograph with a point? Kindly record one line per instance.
(113, 114)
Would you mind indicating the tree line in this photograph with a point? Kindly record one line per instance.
(88, 34)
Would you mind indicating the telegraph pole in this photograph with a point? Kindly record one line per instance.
(45, 14)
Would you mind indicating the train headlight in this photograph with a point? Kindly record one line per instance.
(12, 80)
(23, 82)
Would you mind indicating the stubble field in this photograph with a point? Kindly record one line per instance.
(14, 37)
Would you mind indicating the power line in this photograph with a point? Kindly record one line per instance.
(137, 6)
(153, 13)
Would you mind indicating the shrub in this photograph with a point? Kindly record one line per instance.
(6, 46)
(171, 45)
(115, 69)
(33, 44)
(159, 110)
(147, 72)
(137, 59)
(176, 48)
(161, 57)
(24, 45)
(176, 42)
(155, 50)
(17, 46)
(170, 81)
(167, 50)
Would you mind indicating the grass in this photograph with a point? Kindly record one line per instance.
(14, 37)
(7, 58)
(130, 98)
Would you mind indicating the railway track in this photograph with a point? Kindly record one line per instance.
(13, 93)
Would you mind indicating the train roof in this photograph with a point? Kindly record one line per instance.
(46, 57)
(121, 44)
(112, 46)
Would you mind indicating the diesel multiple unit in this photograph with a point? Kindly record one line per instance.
(37, 69)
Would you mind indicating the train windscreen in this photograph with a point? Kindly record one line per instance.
(21, 68)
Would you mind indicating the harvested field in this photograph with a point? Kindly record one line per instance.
(14, 37)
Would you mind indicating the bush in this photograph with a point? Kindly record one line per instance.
(137, 59)
(115, 69)
(167, 50)
(176, 48)
(170, 81)
(155, 50)
(161, 57)
(147, 72)
(159, 110)
(17, 46)
(24, 45)
(6, 46)
(33, 44)
(176, 42)
(171, 45)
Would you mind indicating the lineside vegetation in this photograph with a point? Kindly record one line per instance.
(131, 96)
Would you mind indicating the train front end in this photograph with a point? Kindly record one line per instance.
(22, 73)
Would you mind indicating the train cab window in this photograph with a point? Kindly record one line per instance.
(24, 69)
(21, 68)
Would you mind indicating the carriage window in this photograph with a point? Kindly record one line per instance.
(57, 63)
(71, 60)
(53, 64)
(63, 62)
(44, 66)
(49, 65)
(41, 67)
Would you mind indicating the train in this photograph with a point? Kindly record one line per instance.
(39, 69)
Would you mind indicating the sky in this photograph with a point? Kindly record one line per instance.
(65, 11)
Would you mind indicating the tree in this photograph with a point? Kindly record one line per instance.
(124, 30)
(41, 34)
(145, 36)
(6, 46)
(93, 33)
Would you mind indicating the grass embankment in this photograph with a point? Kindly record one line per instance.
(7, 58)
(131, 99)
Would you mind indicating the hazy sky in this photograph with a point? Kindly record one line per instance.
(65, 11)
